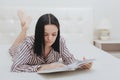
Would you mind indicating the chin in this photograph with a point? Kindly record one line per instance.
(49, 44)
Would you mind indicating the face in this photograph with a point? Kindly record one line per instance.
(51, 32)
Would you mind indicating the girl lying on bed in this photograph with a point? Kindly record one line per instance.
(44, 49)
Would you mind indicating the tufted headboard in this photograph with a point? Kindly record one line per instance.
(78, 21)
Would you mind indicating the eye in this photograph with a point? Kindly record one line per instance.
(45, 34)
(54, 34)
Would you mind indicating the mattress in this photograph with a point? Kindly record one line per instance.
(105, 66)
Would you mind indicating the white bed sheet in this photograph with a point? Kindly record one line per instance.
(105, 67)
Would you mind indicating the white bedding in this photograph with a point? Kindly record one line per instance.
(72, 20)
(105, 67)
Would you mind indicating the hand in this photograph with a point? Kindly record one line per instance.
(86, 66)
(51, 66)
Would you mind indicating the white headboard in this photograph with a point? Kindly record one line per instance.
(72, 21)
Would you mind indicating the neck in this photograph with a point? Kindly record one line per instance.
(47, 50)
(47, 47)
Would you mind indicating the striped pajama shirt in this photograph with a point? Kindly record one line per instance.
(25, 60)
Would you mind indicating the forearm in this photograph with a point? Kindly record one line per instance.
(50, 66)
(25, 68)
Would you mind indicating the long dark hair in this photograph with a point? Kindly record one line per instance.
(39, 42)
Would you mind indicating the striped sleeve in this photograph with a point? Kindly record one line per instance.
(67, 57)
(22, 58)
(13, 50)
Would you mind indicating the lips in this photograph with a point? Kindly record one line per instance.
(49, 42)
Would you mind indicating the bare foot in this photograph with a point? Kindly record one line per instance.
(25, 21)
(21, 16)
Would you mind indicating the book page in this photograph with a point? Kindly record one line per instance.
(70, 67)
(79, 63)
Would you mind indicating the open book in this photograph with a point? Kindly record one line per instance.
(70, 67)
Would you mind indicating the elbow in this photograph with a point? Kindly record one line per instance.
(15, 68)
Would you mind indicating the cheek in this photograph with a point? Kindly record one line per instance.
(45, 39)
(55, 37)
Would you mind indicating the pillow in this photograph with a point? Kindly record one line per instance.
(70, 26)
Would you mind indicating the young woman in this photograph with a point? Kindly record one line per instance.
(43, 50)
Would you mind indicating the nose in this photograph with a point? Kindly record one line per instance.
(50, 38)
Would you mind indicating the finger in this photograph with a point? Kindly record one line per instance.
(84, 58)
(86, 66)
(90, 63)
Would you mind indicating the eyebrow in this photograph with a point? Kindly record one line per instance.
(53, 32)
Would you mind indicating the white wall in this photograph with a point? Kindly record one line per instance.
(72, 21)
(102, 9)
(108, 9)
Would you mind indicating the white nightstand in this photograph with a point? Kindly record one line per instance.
(108, 45)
